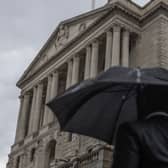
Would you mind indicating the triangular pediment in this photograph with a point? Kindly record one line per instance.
(64, 34)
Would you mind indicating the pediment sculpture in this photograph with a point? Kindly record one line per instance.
(62, 36)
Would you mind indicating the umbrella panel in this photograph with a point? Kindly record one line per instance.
(98, 116)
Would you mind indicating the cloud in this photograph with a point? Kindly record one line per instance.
(141, 2)
(12, 64)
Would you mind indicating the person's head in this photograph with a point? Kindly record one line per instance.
(152, 99)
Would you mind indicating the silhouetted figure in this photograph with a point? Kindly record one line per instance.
(144, 143)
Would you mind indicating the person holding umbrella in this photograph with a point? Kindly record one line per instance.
(144, 143)
(98, 107)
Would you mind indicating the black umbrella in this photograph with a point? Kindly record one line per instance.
(97, 107)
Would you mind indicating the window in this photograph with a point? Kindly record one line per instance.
(50, 153)
(32, 155)
(18, 162)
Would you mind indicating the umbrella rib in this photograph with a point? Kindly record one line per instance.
(124, 99)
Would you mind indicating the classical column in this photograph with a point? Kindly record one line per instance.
(69, 74)
(17, 137)
(25, 115)
(46, 110)
(54, 86)
(75, 70)
(116, 46)
(87, 62)
(94, 59)
(37, 109)
(109, 42)
(54, 91)
(72, 78)
(32, 111)
(125, 48)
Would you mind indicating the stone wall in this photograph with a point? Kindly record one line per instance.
(147, 49)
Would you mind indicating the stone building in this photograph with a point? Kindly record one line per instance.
(119, 33)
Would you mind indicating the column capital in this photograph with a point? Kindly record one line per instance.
(55, 72)
(49, 77)
(95, 43)
(35, 86)
(116, 28)
(76, 57)
(27, 94)
(88, 46)
(88, 49)
(69, 60)
(109, 32)
(40, 82)
(126, 32)
(21, 96)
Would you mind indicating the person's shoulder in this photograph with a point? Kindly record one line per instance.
(133, 127)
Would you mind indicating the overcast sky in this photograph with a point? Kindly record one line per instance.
(25, 26)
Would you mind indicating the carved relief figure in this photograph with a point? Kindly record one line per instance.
(82, 27)
(62, 36)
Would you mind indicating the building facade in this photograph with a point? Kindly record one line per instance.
(119, 33)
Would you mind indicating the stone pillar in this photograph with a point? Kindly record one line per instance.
(109, 42)
(75, 70)
(37, 109)
(24, 116)
(94, 59)
(54, 86)
(116, 46)
(125, 49)
(87, 62)
(46, 110)
(69, 74)
(32, 111)
(72, 78)
(54, 91)
(17, 136)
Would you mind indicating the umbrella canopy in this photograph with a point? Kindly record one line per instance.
(97, 107)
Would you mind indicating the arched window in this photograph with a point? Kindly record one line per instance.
(18, 162)
(50, 153)
(32, 155)
(52, 150)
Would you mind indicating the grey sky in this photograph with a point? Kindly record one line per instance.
(25, 26)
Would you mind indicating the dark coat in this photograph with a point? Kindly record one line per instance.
(142, 144)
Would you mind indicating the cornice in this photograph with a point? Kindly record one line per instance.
(159, 9)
